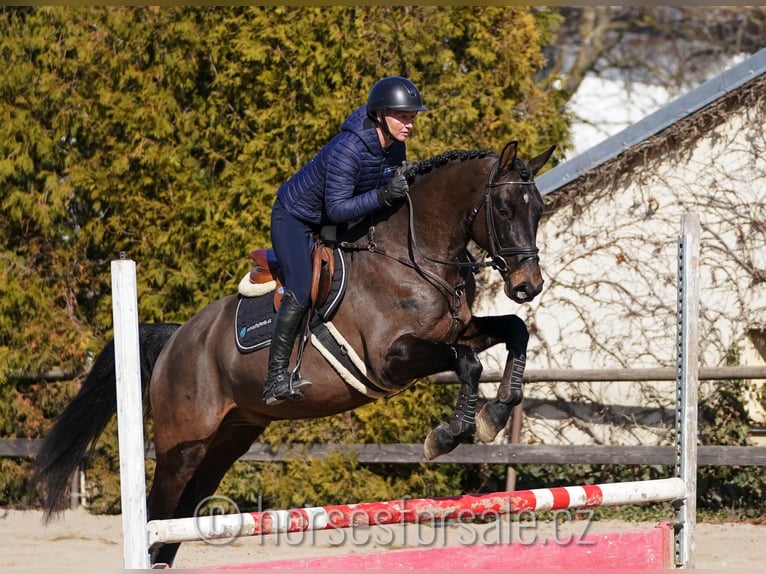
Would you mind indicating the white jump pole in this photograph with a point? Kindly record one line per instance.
(687, 382)
(130, 422)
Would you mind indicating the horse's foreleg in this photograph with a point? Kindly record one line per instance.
(494, 415)
(483, 333)
(462, 424)
(417, 358)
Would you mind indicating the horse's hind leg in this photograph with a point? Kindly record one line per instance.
(174, 469)
(185, 425)
(230, 443)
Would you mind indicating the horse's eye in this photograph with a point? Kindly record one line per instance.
(504, 212)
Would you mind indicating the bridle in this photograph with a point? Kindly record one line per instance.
(498, 253)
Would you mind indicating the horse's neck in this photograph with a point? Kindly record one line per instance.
(435, 221)
(441, 205)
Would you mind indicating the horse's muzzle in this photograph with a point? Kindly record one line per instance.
(524, 284)
(524, 292)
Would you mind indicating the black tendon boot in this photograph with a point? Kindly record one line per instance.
(287, 324)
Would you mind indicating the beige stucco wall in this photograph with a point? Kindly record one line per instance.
(610, 262)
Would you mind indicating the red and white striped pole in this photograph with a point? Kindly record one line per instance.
(467, 507)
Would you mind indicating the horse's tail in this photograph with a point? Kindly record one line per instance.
(77, 428)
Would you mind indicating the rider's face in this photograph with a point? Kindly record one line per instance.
(400, 123)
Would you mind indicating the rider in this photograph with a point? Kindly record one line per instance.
(357, 172)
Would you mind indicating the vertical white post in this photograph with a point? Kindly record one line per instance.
(130, 423)
(687, 382)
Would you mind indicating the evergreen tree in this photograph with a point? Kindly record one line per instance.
(164, 133)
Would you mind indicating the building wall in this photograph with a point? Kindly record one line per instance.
(609, 256)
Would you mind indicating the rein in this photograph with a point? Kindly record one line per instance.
(497, 253)
(455, 294)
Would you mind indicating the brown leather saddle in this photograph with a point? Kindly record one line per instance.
(266, 268)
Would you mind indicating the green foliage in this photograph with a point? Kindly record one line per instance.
(406, 418)
(164, 132)
(739, 492)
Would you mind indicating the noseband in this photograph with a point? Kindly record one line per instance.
(497, 252)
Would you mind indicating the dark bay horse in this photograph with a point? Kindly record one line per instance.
(406, 314)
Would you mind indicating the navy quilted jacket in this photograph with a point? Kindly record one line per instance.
(338, 184)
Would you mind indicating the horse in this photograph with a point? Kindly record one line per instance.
(405, 315)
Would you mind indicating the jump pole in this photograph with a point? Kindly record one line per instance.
(130, 423)
(687, 385)
(138, 533)
(411, 511)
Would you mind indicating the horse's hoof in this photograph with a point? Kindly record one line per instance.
(491, 420)
(440, 441)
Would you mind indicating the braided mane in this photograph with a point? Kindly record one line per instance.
(415, 169)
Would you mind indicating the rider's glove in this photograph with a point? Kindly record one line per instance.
(395, 189)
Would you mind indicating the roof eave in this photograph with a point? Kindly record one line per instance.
(680, 108)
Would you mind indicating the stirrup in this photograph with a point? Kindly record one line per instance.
(276, 395)
(296, 383)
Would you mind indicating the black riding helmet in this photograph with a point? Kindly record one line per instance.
(393, 93)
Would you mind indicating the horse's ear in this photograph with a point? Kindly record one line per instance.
(507, 157)
(538, 162)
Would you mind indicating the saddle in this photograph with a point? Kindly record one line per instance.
(266, 269)
(260, 295)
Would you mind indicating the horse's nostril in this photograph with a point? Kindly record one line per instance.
(522, 292)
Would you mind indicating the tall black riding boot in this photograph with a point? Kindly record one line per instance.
(287, 323)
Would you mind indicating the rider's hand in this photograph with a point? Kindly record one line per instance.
(395, 189)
